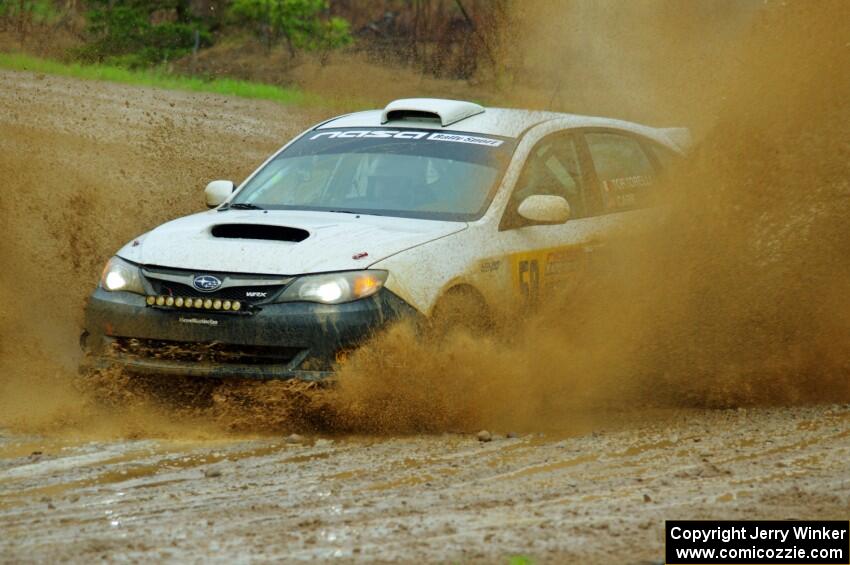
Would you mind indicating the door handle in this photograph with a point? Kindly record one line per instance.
(592, 246)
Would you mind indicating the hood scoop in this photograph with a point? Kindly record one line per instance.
(260, 231)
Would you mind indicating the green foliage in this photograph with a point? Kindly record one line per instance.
(298, 22)
(520, 560)
(333, 34)
(40, 11)
(159, 79)
(124, 32)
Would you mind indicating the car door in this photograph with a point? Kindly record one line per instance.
(626, 177)
(546, 259)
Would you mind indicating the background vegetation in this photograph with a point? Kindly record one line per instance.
(440, 38)
(643, 60)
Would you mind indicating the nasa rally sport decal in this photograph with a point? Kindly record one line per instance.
(206, 283)
(409, 135)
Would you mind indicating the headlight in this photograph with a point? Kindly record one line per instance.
(121, 275)
(334, 288)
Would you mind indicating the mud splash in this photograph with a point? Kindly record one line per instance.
(650, 61)
(738, 299)
(87, 166)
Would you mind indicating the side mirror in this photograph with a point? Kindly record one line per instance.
(218, 191)
(545, 209)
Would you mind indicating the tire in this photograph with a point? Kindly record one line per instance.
(462, 308)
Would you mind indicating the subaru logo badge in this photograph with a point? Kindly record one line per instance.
(206, 283)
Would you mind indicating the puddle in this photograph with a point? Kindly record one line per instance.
(11, 449)
(173, 460)
(403, 482)
(307, 457)
(805, 444)
(546, 467)
(643, 448)
(347, 475)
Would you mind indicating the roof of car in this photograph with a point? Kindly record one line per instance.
(467, 117)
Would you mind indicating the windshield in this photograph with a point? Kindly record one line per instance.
(438, 175)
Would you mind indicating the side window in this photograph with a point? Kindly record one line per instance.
(666, 158)
(626, 175)
(552, 168)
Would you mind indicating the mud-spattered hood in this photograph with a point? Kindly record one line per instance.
(331, 243)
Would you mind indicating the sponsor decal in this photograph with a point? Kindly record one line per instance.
(383, 134)
(561, 262)
(206, 283)
(410, 135)
(256, 294)
(202, 321)
(456, 138)
(536, 273)
(490, 266)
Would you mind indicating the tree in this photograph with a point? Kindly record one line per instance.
(298, 22)
(24, 14)
(126, 31)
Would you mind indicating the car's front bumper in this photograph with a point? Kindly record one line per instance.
(275, 341)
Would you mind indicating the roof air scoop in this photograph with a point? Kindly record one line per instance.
(446, 112)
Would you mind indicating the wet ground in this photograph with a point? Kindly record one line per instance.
(600, 495)
(90, 165)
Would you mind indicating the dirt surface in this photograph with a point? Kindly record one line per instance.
(600, 495)
(90, 165)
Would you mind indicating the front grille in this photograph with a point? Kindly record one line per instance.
(204, 352)
(250, 294)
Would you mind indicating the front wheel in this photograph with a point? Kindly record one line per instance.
(463, 309)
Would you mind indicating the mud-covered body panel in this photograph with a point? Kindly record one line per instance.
(336, 242)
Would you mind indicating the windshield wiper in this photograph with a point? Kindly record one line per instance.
(242, 206)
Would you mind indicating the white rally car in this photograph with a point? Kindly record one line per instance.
(368, 218)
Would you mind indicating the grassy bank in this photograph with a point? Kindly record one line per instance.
(159, 79)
